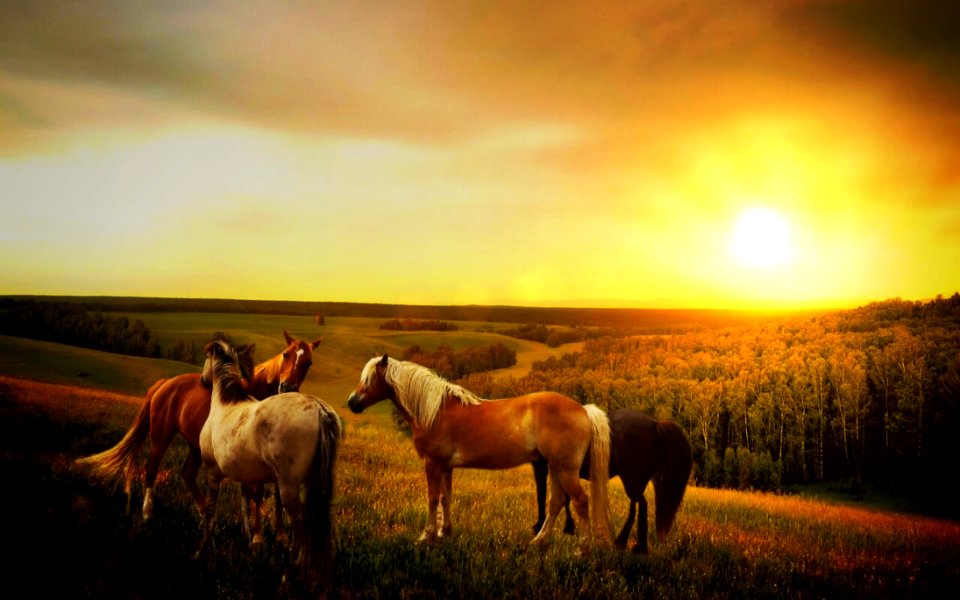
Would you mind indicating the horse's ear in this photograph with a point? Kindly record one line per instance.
(384, 361)
(317, 342)
(287, 337)
(209, 347)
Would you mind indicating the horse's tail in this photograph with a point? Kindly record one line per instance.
(316, 506)
(120, 459)
(599, 472)
(670, 481)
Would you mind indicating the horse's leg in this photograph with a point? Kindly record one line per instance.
(621, 541)
(570, 482)
(189, 471)
(290, 499)
(446, 495)
(209, 511)
(434, 486)
(278, 524)
(158, 447)
(540, 479)
(641, 545)
(252, 501)
(569, 527)
(555, 503)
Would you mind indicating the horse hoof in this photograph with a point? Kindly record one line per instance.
(257, 542)
(640, 550)
(540, 541)
(427, 537)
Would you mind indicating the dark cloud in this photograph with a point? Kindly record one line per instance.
(443, 71)
(924, 32)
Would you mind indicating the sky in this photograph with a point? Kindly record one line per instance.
(679, 153)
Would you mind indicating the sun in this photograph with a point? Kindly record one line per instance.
(761, 238)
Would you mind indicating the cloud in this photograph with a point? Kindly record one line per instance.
(923, 32)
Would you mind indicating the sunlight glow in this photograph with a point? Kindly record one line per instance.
(761, 238)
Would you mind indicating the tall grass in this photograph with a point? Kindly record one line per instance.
(72, 538)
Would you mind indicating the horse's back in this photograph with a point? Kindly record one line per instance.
(283, 432)
(181, 404)
(635, 454)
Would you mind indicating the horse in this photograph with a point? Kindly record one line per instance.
(179, 406)
(289, 439)
(454, 428)
(641, 448)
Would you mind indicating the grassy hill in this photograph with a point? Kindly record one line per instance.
(347, 344)
(724, 544)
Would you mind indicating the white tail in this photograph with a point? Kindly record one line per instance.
(599, 474)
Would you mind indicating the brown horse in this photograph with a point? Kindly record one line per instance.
(641, 448)
(180, 405)
(452, 427)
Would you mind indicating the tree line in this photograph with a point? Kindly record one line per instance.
(454, 364)
(418, 325)
(71, 323)
(870, 395)
(554, 337)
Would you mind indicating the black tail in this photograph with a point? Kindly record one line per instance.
(317, 545)
(670, 481)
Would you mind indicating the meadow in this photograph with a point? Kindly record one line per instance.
(71, 536)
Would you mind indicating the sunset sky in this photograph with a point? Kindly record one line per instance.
(652, 154)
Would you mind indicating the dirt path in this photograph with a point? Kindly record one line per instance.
(530, 352)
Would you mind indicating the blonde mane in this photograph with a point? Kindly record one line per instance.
(419, 389)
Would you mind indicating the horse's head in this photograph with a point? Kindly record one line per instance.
(223, 361)
(295, 361)
(373, 386)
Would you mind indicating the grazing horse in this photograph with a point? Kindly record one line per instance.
(289, 439)
(453, 428)
(641, 448)
(180, 405)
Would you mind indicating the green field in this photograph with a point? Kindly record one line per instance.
(348, 342)
(725, 543)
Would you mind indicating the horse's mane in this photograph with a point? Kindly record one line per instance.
(268, 370)
(228, 368)
(419, 389)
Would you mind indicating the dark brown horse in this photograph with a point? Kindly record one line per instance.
(179, 406)
(641, 448)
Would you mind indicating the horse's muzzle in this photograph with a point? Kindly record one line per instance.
(288, 387)
(354, 404)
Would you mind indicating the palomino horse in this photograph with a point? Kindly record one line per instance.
(452, 428)
(641, 448)
(180, 405)
(290, 439)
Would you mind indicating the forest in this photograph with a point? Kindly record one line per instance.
(869, 396)
(70, 323)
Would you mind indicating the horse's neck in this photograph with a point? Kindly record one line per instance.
(225, 395)
(266, 377)
(405, 413)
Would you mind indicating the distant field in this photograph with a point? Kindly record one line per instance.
(348, 342)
